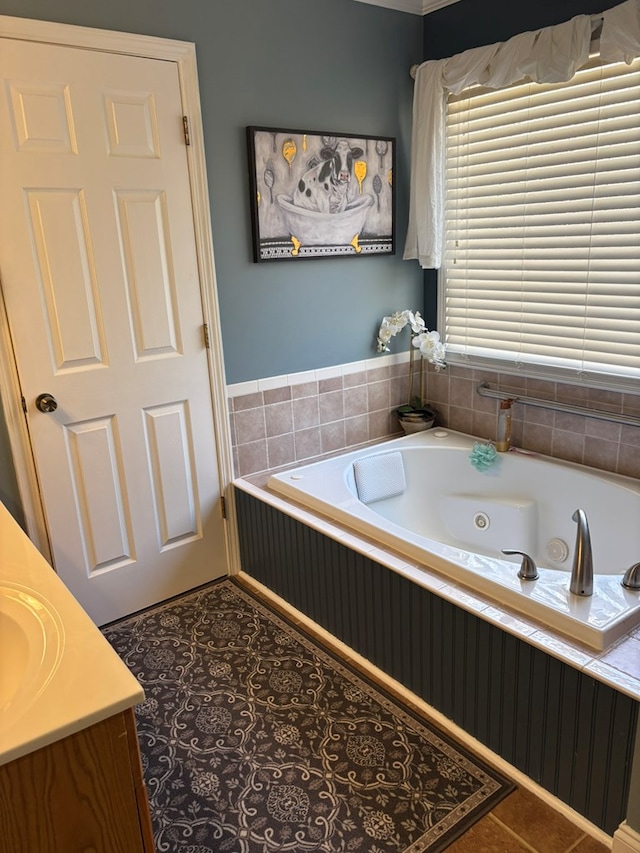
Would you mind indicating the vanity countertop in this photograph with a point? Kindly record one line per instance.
(58, 674)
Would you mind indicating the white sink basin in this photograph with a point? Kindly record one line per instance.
(58, 673)
(31, 642)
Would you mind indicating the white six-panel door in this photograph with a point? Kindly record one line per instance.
(100, 276)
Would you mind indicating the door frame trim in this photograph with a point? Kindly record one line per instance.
(184, 55)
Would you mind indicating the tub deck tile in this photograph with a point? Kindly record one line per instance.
(578, 656)
(614, 678)
(624, 656)
(509, 622)
(458, 595)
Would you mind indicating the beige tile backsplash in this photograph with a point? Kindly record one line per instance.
(297, 422)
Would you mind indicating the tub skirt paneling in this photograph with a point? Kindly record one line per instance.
(570, 733)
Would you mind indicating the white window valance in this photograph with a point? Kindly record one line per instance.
(549, 55)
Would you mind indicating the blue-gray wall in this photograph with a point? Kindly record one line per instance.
(468, 23)
(336, 66)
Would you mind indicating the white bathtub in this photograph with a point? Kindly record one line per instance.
(455, 519)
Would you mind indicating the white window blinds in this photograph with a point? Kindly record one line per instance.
(542, 224)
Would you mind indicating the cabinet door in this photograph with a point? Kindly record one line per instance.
(138, 783)
(77, 794)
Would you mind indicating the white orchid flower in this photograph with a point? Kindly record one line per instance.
(397, 321)
(384, 336)
(427, 342)
(416, 322)
(426, 339)
(431, 347)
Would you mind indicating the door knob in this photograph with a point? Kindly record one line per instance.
(46, 403)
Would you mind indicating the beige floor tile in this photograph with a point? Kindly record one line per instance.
(540, 826)
(590, 845)
(487, 836)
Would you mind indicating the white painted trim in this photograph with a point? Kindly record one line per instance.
(626, 840)
(19, 440)
(328, 373)
(432, 5)
(183, 54)
(253, 386)
(414, 7)
(347, 653)
(111, 41)
(270, 383)
(188, 75)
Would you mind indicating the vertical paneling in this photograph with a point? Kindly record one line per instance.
(496, 691)
(539, 687)
(621, 728)
(584, 725)
(478, 687)
(469, 682)
(568, 732)
(550, 741)
(509, 720)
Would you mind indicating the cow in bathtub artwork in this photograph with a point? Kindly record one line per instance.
(320, 195)
(325, 186)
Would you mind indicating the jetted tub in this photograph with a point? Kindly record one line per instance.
(456, 520)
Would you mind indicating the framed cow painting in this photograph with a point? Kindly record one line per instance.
(320, 195)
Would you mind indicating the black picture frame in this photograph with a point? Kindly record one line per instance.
(316, 194)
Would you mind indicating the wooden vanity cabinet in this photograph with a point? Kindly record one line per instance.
(82, 794)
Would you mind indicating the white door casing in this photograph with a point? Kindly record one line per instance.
(102, 281)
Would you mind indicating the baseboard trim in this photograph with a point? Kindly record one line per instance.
(626, 840)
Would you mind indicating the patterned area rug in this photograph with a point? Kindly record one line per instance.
(255, 739)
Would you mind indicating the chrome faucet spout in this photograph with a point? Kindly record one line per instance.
(582, 570)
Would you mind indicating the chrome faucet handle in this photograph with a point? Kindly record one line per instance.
(631, 578)
(528, 569)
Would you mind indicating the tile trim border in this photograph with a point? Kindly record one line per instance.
(253, 386)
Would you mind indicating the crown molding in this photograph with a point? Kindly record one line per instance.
(432, 5)
(415, 7)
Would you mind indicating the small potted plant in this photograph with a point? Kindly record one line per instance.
(415, 415)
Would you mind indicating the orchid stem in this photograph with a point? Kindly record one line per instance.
(410, 369)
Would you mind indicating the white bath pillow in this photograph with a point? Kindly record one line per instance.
(380, 476)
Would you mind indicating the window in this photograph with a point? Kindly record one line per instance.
(542, 219)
